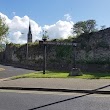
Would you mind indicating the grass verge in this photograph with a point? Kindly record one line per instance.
(51, 74)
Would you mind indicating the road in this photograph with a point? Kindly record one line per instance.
(9, 71)
(29, 100)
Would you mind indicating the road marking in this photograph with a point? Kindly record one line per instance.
(54, 93)
(39, 92)
(2, 69)
(99, 95)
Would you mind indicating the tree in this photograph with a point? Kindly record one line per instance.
(84, 27)
(45, 36)
(3, 29)
(103, 27)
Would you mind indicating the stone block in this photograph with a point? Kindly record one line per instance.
(75, 72)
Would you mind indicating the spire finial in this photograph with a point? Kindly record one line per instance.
(29, 33)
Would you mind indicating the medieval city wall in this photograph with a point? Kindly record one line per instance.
(92, 54)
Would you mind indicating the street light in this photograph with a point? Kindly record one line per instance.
(44, 56)
(44, 39)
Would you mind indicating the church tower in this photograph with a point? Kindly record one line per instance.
(29, 36)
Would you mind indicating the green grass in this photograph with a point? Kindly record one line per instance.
(50, 74)
(94, 76)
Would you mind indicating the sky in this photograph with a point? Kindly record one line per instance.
(55, 16)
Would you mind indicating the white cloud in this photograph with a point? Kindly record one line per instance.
(68, 17)
(61, 29)
(5, 17)
(18, 28)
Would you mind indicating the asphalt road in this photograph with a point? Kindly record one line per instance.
(30, 100)
(9, 71)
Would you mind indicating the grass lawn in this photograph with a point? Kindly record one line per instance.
(50, 74)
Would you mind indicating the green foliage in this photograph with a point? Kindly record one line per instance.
(70, 38)
(22, 45)
(2, 47)
(3, 29)
(103, 27)
(35, 43)
(45, 36)
(16, 45)
(84, 27)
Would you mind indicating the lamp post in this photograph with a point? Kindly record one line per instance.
(44, 38)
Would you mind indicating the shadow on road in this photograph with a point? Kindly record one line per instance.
(91, 92)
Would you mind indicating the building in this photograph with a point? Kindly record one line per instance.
(29, 36)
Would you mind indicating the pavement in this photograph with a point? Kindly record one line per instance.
(9, 71)
(99, 86)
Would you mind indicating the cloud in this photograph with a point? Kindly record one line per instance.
(18, 29)
(61, 29)
(68, 17)
(5, 17)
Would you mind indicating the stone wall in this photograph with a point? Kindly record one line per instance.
(95, 46)
(92, 54)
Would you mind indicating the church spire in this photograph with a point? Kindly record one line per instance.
(29, 39)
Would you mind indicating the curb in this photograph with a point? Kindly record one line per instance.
(5, 79)
(56, 90)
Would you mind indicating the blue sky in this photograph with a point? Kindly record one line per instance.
(55, 16)
(50, 11)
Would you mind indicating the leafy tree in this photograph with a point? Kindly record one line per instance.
(84, 27)
(103, 27)
(45, 36)
(3, 29)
